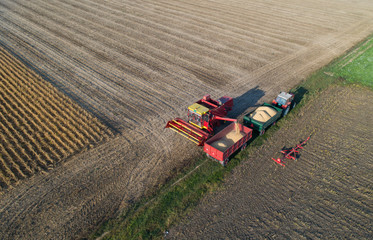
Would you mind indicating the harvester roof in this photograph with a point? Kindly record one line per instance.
(198, 108)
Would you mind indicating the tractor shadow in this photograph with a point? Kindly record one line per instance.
(299, 94)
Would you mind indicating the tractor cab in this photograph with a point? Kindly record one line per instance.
(283, 100)
(198, 115)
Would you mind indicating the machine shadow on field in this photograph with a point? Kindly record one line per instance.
(299, 93)
(246, 100)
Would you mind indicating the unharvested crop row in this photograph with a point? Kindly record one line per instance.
(38, 91)
(39, 126)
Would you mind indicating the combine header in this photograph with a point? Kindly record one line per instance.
(203, 117)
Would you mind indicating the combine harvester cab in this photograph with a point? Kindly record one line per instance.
(203, 117)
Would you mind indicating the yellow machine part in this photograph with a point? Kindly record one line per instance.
(198, 108)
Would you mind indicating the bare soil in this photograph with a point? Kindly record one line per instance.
(326, 193)
(137, 64)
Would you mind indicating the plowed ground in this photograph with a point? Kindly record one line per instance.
(39, 126)
(137, 64)
(326, 193)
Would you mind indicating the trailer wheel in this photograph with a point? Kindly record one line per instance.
(262, 132)
(243, 146)
(285, 112)
(224, 163)
(294, 104)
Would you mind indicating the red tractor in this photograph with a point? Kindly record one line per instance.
(285, 101)
(203, 117)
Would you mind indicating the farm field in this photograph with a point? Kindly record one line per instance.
(326, 193)
(39, 126)
(137, 64)
(152, 217)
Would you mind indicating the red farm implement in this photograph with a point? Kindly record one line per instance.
(203, 116)
(290, 153)
(187, 130)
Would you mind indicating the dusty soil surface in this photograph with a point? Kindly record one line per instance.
(327, 193)
(137, 64)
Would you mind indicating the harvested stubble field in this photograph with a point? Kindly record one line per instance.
(325, 194)
(137, 64)
(39, 126)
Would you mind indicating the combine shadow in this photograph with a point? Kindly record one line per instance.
(246, 100)
(241, 104)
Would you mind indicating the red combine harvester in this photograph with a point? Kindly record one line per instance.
(203, 117)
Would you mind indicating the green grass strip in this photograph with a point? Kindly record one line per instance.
(357, 67)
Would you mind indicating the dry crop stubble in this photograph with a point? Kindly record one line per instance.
(137, 64)
(39, 126)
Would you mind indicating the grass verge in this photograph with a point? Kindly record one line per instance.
(357, 66)
(152, 216)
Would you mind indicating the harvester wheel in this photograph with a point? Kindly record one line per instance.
(262, 132)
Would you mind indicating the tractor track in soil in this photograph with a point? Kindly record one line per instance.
(137, 64)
